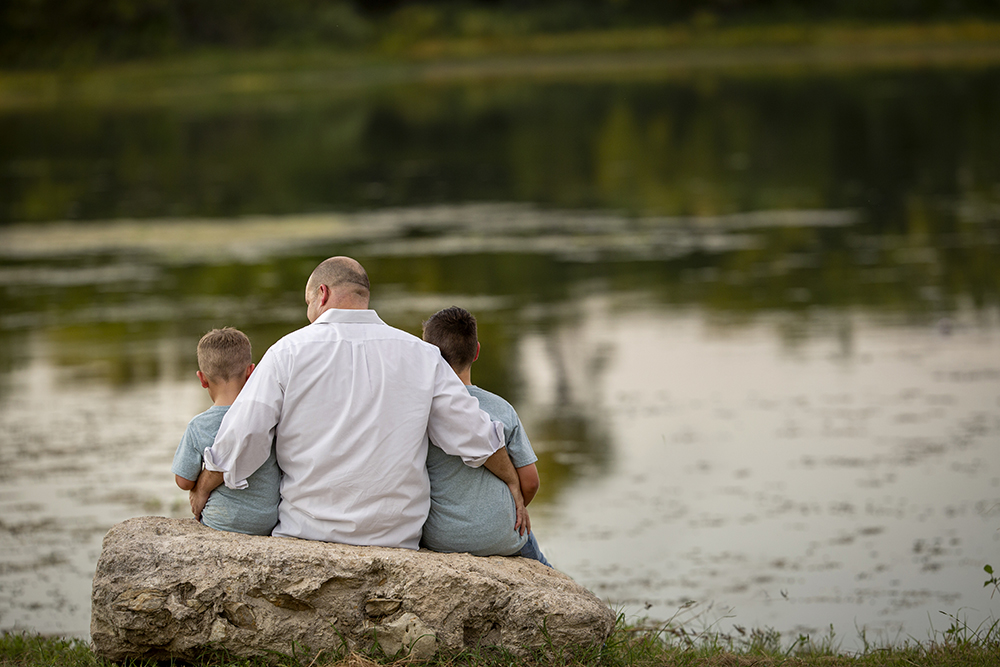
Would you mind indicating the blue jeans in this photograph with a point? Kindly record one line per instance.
(531, 550)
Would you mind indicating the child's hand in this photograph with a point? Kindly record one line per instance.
(522, 523)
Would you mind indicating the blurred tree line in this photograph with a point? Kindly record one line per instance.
(67, 32)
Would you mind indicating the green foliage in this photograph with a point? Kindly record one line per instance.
(75, 32)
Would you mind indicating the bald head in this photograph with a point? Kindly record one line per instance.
(338, 282)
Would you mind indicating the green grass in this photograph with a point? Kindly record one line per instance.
(666, 645)
(24, 649)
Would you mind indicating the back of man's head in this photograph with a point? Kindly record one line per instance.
(453, 330)
(224, 355)
(344, 276)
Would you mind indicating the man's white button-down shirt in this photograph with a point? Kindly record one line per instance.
(351, 403)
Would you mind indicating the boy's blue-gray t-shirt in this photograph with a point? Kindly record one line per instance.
(253, 510)
(472, 510)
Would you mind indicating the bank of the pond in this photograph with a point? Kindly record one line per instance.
(629, 646)
(676, 51)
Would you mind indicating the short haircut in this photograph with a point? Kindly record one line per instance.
(337, 271)
(224, 354)
(453, 330)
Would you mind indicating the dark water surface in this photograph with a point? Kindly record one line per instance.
(751, 324)
(888, 143)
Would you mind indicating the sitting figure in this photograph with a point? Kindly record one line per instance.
(225, 363)
(472, 510)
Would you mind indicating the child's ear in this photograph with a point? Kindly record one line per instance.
(477, 351)
(204, 380)
(250, 369)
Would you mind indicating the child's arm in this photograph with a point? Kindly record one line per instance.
(528, 475)
(183, 483)
(187, 459)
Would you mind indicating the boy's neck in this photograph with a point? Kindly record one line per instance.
(224, 393)
(465, 376)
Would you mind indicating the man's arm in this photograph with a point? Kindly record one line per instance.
(244, 440)
(499, 464)
(528, 475)
(456, 424)
(207, 482)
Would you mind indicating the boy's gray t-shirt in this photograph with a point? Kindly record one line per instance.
(471, 508)
(253, 510)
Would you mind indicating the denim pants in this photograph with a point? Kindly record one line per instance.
(531, 550)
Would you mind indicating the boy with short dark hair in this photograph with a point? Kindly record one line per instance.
(471, 509)
(225, 361)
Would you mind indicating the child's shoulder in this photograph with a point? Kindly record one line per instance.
(492, 403)
(211, 418)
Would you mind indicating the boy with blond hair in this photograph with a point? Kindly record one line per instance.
(472, 510)
(225, 361)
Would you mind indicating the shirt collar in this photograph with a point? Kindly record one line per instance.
(342, 316)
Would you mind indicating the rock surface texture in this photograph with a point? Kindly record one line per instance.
(174, 588)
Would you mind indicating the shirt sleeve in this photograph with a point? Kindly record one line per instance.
(187, 458)
(457, 425)
(244, 440)
(518, 446)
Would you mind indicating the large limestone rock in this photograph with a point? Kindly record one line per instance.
(174, 588)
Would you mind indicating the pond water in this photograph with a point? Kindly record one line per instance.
(751, 325)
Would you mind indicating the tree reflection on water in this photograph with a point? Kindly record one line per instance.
(105, 314)
(802, 219)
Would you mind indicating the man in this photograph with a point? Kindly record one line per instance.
(351, 403)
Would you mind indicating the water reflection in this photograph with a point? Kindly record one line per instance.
(727, 410)
(890, 144)
(787, 489)
(105, 290)
(751, 326)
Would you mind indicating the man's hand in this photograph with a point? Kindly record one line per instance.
(198, 501)
(208, 480)
(499, 464)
